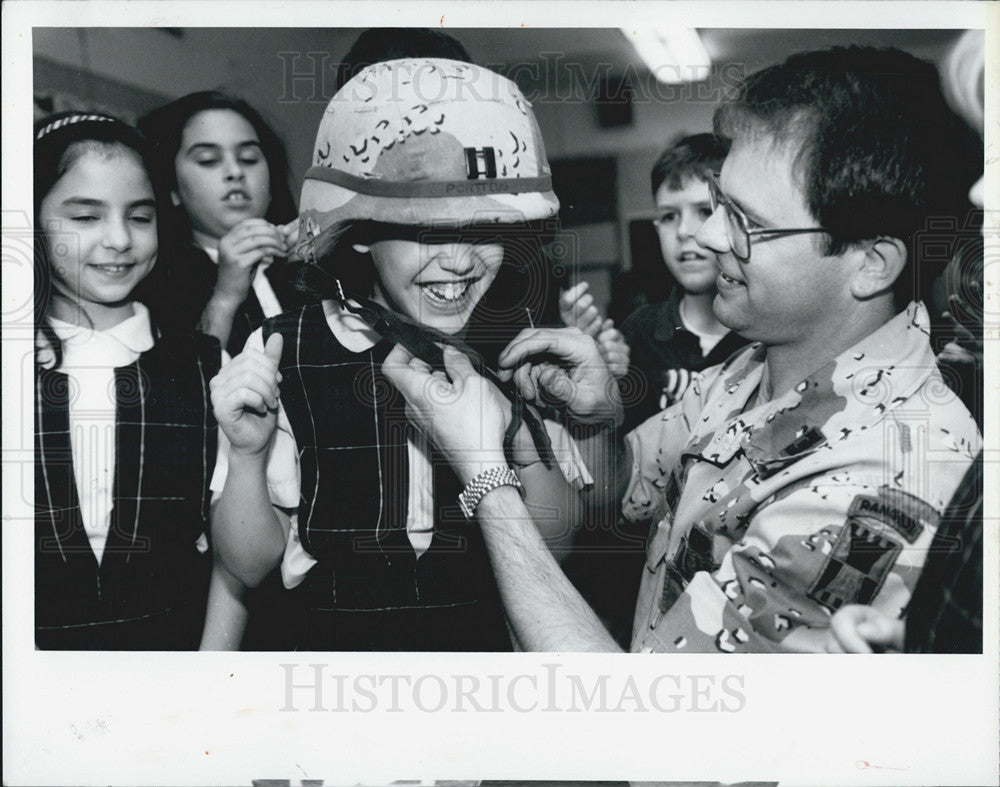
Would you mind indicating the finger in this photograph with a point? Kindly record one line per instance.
(846, 626)
(230, 407)
(251, 225)
(408, 379)
(457, 364)
(591, 324)
(608, 324)
(273, 347)
(248, 363)
(257, 243)
(566, 343)
(555, 383)
(568, 297)
(251, 380)
(524, 381)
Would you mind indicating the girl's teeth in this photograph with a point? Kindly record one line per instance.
(448, 292)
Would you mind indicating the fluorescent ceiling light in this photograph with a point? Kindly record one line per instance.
(674, 54)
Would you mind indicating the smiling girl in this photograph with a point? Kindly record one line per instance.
(124, 439)
(418, 223)
(232, 222)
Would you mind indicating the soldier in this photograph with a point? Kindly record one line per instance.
(808, 471)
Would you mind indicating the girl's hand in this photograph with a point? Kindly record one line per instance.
(614, 349)
(245, 397)
(290, 233)
(249, 243)
(577, 310)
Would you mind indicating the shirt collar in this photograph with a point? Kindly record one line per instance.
(117, 346)
(353, 333)
(850, 393)
(213, 254)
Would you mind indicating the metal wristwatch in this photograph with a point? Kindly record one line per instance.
(487, 481)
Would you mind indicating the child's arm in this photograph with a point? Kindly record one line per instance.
(226, 616)
(249, 534)
(240, 251)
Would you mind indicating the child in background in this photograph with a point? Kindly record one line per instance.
(233, 218)
(671, 340)
(231, 226)
(428, 182)
(124, 440)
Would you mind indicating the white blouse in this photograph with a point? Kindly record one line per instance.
(89, 360)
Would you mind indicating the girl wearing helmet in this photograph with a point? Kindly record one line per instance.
(418, 224)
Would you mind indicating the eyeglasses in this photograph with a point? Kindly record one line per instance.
(738, 225)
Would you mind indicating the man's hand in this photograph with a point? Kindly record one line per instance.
(857, 628)
(563, 366)
(462, 413)
(245, 397)
(249, 243)
(577, 309)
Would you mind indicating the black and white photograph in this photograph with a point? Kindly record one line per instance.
(484, 394)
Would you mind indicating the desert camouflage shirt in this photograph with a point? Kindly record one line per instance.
(770, 517)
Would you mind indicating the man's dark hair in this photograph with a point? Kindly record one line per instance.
(686, 158)
(880, 153)
(380, 44)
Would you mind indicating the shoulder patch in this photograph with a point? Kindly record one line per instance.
(856, 567)
(906, 514)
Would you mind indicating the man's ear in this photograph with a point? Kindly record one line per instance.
(881, 262)
(361, 248)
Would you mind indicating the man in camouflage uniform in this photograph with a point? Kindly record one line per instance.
(810, 470)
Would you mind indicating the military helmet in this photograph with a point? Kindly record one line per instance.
(425, 142)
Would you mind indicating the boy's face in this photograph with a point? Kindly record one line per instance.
(437, 280)
(679, 214)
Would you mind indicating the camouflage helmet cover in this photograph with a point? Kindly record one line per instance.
(426, 142)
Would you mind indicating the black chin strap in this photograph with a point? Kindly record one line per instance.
(425, 343)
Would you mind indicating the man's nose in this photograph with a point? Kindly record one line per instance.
(712, 233)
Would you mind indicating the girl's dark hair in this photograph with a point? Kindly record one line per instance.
(60, 141)
(164, 127)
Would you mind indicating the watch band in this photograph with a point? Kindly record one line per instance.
(486, 481)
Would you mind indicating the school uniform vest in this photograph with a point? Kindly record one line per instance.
(369, 590)
(188, 282)
(150, 589)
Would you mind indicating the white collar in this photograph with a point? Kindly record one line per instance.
(129, 338)
(213, 254)
(351, 331)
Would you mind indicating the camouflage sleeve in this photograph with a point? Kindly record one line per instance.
(805, 554)
(655, 447)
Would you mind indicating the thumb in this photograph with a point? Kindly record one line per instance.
(456, 364)
(272, 349)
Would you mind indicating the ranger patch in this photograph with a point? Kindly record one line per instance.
(904, 513)
(857, 566)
